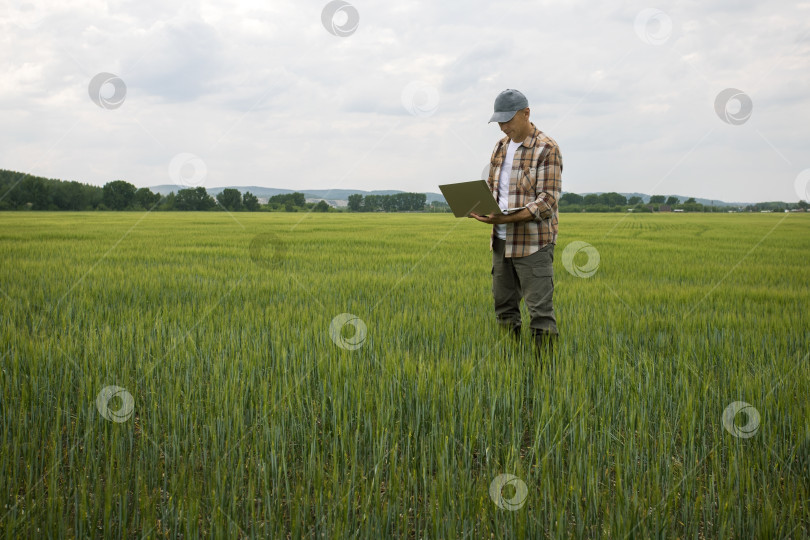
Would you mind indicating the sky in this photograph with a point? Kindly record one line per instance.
(704, 99)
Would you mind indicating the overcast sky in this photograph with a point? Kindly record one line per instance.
(397, 95)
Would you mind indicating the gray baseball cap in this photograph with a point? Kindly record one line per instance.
(507, 104)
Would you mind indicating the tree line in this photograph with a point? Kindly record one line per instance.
(616, 202)
(19, 191)
(396, 202)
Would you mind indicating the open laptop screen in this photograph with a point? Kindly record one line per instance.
(466, 197)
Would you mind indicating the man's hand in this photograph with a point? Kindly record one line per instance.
(497, 219)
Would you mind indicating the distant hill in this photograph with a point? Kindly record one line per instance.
(646, 198)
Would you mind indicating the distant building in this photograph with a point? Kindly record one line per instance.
(678, 210)
(665, 208)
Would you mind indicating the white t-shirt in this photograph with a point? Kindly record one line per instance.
(503, 185)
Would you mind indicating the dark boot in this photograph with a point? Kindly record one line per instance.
(544, 342)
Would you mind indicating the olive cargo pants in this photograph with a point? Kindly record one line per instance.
(530, 277)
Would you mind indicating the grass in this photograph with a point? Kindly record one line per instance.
(250, 421)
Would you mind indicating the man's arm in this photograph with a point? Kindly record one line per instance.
(523, 215)
(549, 184)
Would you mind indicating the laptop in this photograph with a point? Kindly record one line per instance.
(475, 196)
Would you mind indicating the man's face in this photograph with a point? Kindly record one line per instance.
(517, 126)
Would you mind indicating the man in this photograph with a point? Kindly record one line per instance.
(524, 172)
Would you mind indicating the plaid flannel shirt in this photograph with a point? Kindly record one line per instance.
(535, 183)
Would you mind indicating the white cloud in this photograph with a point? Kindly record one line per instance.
(265, 95)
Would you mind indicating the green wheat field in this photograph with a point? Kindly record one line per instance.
(275, 375)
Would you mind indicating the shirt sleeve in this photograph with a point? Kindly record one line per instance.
(549, 184)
